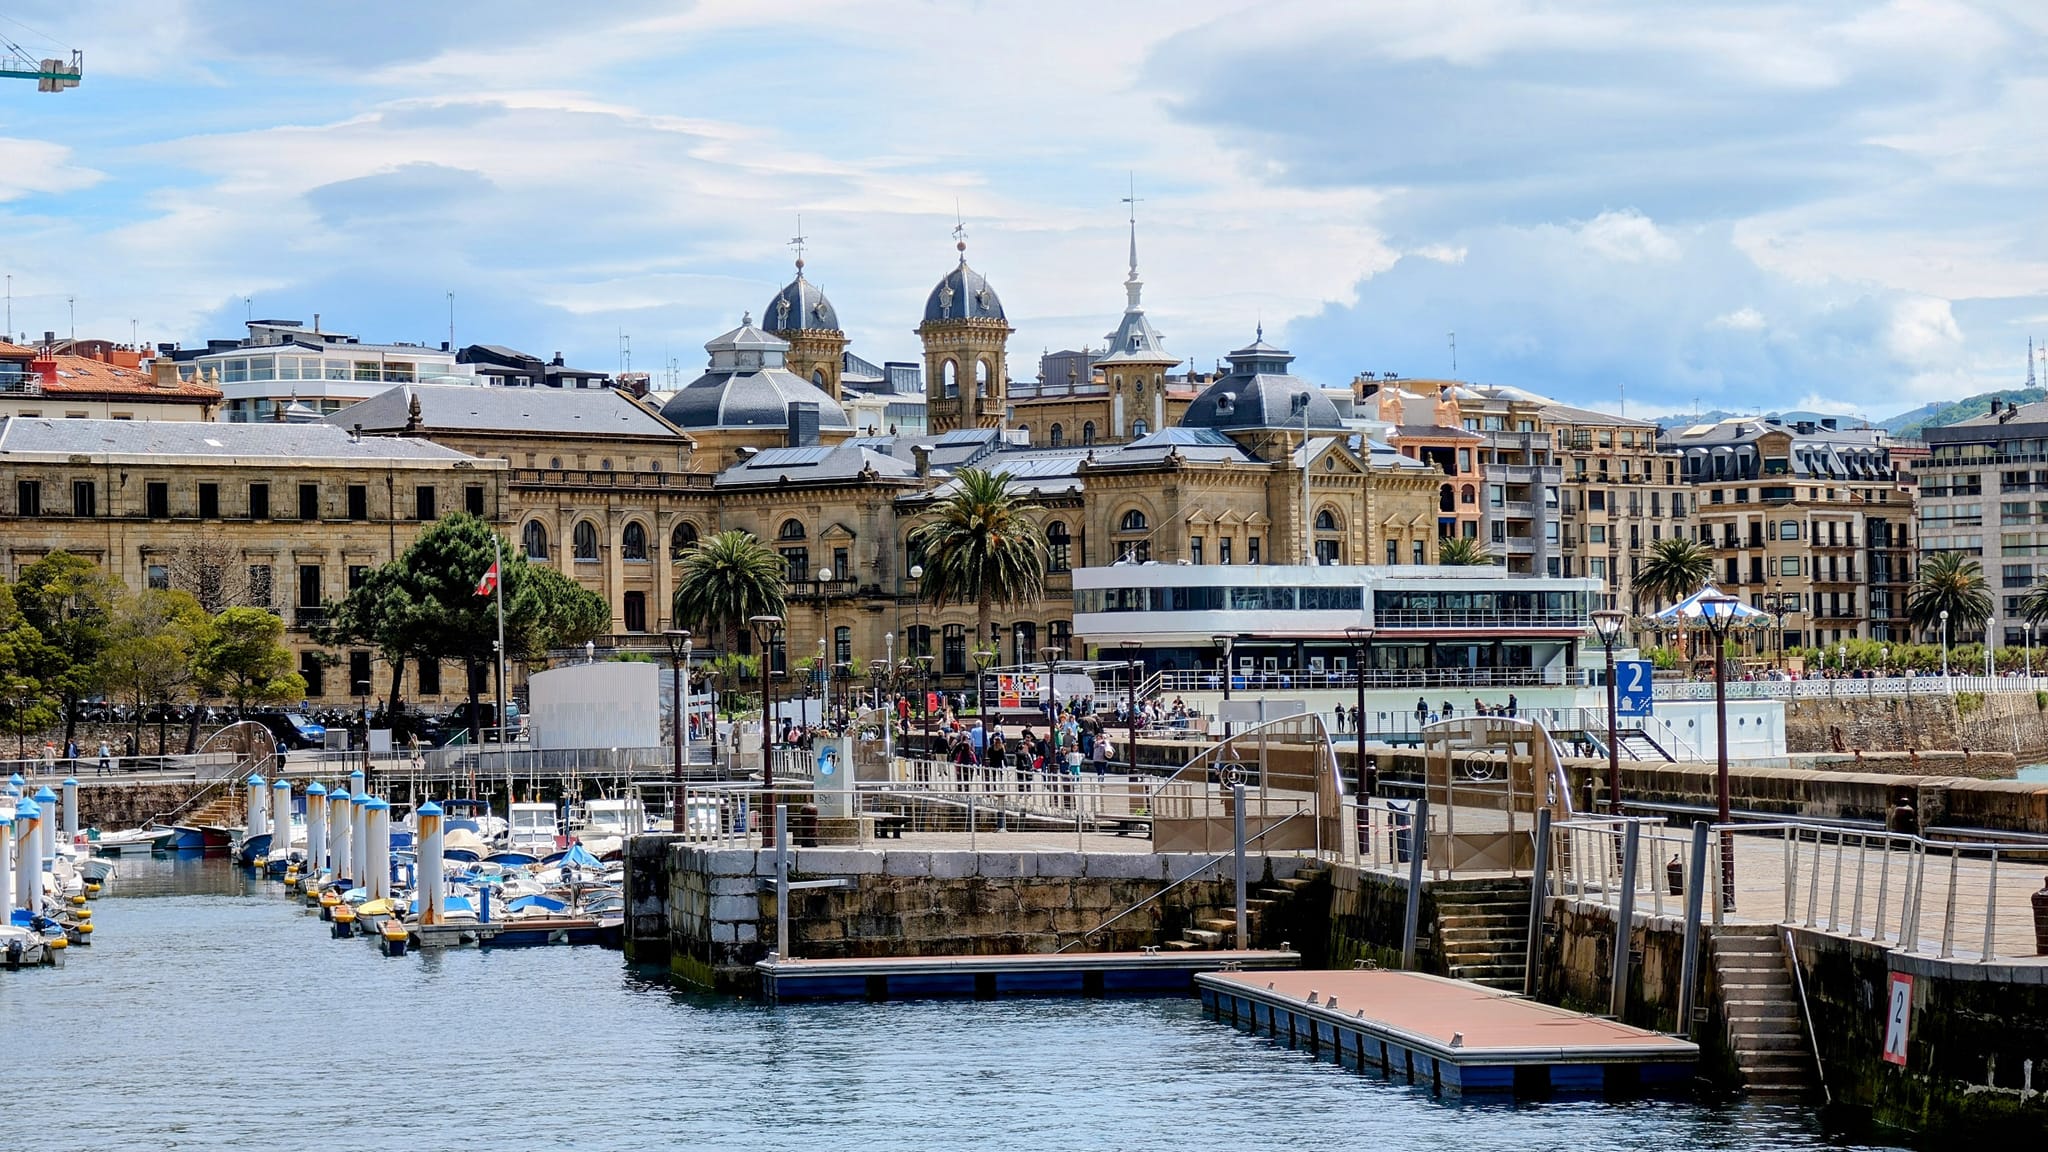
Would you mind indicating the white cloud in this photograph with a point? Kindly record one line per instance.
(1628, 236)
(1923, 332)
(1740, 320)
(1442, 253)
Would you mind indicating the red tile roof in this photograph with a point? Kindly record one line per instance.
(83, 376)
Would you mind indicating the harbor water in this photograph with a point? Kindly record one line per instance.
(213, 1013)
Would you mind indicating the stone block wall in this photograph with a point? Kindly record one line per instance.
(2012, 722)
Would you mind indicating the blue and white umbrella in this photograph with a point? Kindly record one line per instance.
(1709, 608)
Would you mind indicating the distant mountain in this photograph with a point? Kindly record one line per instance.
(1908, 425)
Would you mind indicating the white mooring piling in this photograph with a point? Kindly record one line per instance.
(71, 808)
(6, 867)
(340, 822)
(28, 869)
(257, 822)
(280, 821)
(379, 863)
(46, 801)
(316, 831)
(359, 849)
(427, 887)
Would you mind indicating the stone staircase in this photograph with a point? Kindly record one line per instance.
(222, 811)
(1484, 933)
(1766, 1031)
(1220, 931)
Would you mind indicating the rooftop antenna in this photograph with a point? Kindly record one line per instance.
(1621, 394)
(797, 242)
(2030, 361)
(71, 302)
(248, 310)
(451, 321)
(10, 302)
(134, 333)
(1454, 353)
(625, 352)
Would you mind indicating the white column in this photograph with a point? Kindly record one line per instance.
(258, 821)
(341, 821)
(380, 848)
(281, 820)
(28, 867)
(70, 808)
(428, 888)
(359, 854)
(316, 829)
(6, 867)
(46, 800)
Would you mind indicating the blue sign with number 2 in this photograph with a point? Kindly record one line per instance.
(1632, 687)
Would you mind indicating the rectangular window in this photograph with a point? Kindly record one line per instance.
(430, 678)
(1223, 550)
(356, 573)
(314, 672)
(1393, 551)
(842, 565)
(84, 498)
(158, 498)
(159, 577)
(260, 585)
(1464, 460)
(1420, 552)
(636, 611)
(309, 501)
(796, 565)
(1251, 550)
(423, 502)
(1194, 549)
(259, 501)
(953, 655)
(359, 502)
(473, 499)
(28, 498)
(1596, 534)
(209, 501)
(1596, 500)
(359, 673)
(309, 586)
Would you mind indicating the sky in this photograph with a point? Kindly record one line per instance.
(1662, 206)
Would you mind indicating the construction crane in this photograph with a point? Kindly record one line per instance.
(50, 75)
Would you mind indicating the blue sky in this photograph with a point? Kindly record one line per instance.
(1746, 205)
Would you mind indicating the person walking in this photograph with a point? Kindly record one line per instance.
(1512, 705)
(106, 758)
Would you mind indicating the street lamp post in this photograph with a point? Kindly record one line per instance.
(2030, 649)
(1717, 612)
(679, 651)
(924, 666)
(1131, 666)
(1228, 643)
(766, 629)
(362, 694)
(1944, 643)
(828, 646)
(1358, 636)
(1607, 624)
(1052, 653)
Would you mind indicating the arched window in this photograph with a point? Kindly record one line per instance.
(633, 541)
(1088, 434)
(1468, 495)
(586, 540)
(1117, 380)
(792, 530)
(534, 539)
(1326, 521)
(1447, 500)
(682, 539)
(1139, 428)
(818, 379)
(1025, 429)
(981, 377)
(1059, 546)
(555, 462)
(949, 376)
(1057, 436)
(1133, 521)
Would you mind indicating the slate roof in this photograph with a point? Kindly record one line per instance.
(482, 408)
(747, 386)
(813, 465)
(800, 305)
(963, 294)
(296, 443)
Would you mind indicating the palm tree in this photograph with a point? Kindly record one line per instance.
(980, 546)
(1673, 568)
(2034, 602)
(727, 580)
(1952, 583)
(1462, 552)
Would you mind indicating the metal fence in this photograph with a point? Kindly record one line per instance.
(1848, 688)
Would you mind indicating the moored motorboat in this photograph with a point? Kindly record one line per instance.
(147, 838)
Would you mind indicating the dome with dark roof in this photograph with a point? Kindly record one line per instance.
(747, 386)
(1259, 392)
(963, 294)
(800, 306)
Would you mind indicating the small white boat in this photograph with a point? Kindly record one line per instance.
(145, 839)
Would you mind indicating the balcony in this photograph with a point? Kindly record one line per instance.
(307, 619)
(594, 478)
(1394, 620)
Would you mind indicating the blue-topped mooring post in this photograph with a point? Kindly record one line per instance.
(29, 876)
(316, 830)
(6, 868)
(340, 821)
(359, 834)
(280, 823)
(378, 866)
(71, 808)
(1624, 919)
(256, 822)
(1411, 920)
(46, 800)
(427, 886)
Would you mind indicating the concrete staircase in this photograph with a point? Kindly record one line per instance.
(223, 810)
(1484, 933)
(1220, 931)
(1766, 1031)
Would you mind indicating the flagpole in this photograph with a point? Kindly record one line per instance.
(498, 590)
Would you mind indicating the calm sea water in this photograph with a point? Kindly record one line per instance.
(2036, 772)
(215, 1014)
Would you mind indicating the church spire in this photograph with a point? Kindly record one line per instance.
(1133, 287)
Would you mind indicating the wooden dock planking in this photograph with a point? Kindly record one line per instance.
(1451, 1035)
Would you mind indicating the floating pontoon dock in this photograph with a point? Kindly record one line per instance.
(989, 977)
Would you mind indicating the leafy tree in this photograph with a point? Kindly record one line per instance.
(378, 611)
(211, 571)
(727, 580)
(730, 673)
(1673, 568)
(152, 647)
(243, 657)
(1462, 552)
(27, 707)
(69, 602)
(1949, 582)
(981, 546)
(568, 614)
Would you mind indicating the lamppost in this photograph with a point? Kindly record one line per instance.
(1358, 636)
(363, 707)
(1717, 613)
(1131, 666)
(1019, 646)
(2030, 649)
(1052, 653)
(766, 630)
(1779, 601)
(924, 667)
(828, 644)
(679, 651)
(1229, 643)
(888, 668)
(983, 657)
(1607, 624)
(1944, 643)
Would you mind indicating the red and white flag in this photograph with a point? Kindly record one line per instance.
(489, 583)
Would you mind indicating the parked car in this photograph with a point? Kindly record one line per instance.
(293, 729)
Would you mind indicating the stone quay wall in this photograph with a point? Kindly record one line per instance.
(2012, 722)
(717, 913)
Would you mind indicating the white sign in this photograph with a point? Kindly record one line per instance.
(1898, 1018)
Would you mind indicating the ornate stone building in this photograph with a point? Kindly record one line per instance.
(966, 341)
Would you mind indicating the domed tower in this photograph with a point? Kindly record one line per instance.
(800, 315)
(966, 339)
